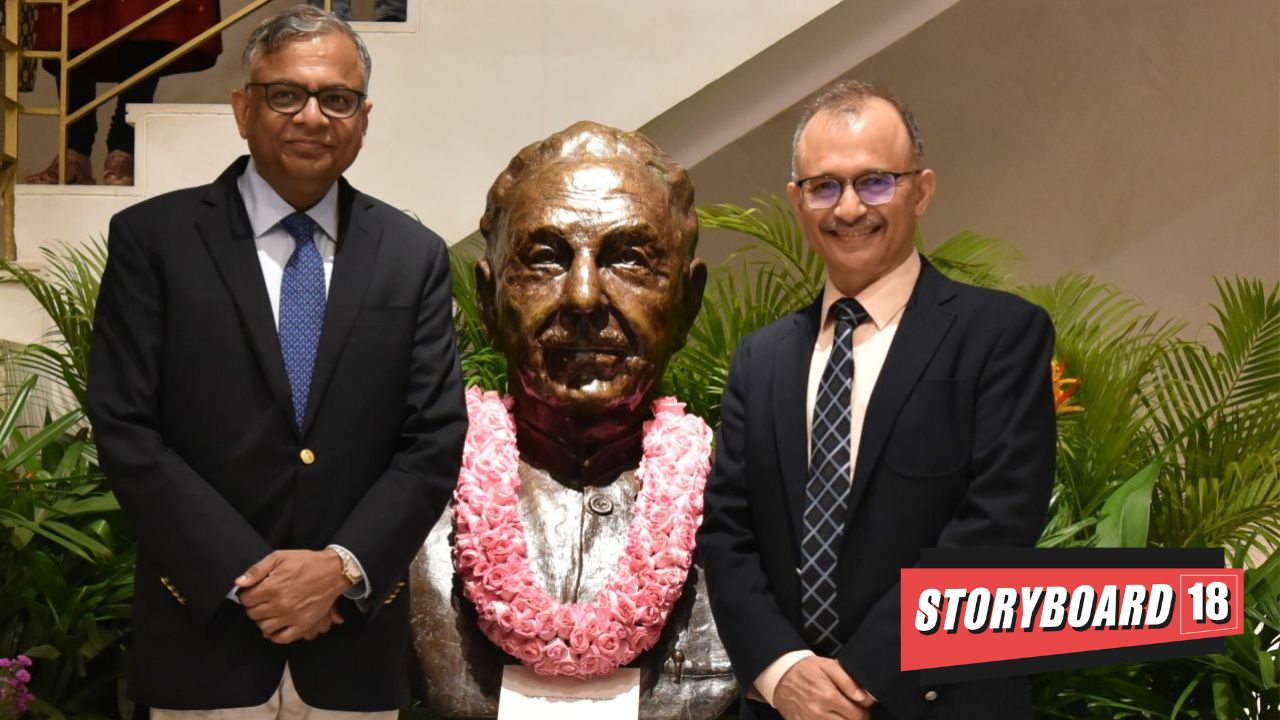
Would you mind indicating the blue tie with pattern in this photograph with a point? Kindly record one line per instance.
(827, 491)
(301, 309)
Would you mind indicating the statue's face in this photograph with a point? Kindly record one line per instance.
(591, 289)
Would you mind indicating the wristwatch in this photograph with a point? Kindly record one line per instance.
(350, 569)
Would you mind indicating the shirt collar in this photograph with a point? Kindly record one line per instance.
(882, 299)
(266, 208)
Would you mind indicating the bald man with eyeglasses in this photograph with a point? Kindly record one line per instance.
(900, 411)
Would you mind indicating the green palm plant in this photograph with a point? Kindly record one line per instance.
(761, 282)
(66, 562)
(1186, 440)
(67, 291)
(1112, 344)
(482, 365)
(1214, 416)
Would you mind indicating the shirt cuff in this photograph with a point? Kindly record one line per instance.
(234, 595)
(355, 592)
(768, 680)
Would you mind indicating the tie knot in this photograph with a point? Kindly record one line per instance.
(300, 226)
(848, 310)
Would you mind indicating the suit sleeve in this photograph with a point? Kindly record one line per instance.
(754, 630)
(1012, 468)
(391, 521)
(189, 529)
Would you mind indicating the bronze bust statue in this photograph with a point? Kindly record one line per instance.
(588, 286)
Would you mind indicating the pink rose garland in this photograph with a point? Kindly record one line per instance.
(579, 640)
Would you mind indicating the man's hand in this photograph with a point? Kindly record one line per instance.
(818, 688)
(290, 591)
(324, 624)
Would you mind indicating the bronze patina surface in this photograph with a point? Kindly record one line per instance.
(589, 285)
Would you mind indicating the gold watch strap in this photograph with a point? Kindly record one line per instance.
(350, 570)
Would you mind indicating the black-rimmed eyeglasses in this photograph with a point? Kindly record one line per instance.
(287, 98)
(872, 188)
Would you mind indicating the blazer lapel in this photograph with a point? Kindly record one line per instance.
(791, 377)
(358, 244)
(228, 238)
(924, 323)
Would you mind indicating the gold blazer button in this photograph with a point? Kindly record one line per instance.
(306, 456)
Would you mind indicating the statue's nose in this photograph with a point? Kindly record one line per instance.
(584, 293)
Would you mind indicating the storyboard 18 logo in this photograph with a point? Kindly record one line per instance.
(1004, 612)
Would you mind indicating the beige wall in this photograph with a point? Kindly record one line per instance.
(1133, 140)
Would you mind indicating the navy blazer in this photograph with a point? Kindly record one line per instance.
(192, 413)
(957, 450)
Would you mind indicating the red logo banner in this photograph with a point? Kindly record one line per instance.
(961, 616)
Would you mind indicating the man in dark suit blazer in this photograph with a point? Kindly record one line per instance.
(952, 438)
(278, 502)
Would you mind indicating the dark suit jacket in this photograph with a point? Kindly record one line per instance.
(191, 408)
(957, 450)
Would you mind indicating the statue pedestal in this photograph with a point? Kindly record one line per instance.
(527, 695)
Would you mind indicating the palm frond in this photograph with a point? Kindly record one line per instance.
(1110, 343)
(738, 301)
(482, 365)
(1248, 329)
(778, 238)
(975, 259)
(67, 290)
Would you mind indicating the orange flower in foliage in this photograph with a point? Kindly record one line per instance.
(1063, 389)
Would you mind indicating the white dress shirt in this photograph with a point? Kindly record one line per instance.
(275, 245)
(884, 300)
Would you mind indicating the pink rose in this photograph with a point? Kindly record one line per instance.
(564, 620)
(502, 614)
(468, 558)
(546, 625)
(672, 558)
(624, 608)
(649, 614)
(517, 584)
(525, 624)
(503, 493)
(598, 621)
(480, 569)
(496, 516)
(668, 405)
(556, 650)
(591, 666)
(496, 575)
(529, 653)
(579, 640)
(567, 668)
(607, 642)
(511, 646)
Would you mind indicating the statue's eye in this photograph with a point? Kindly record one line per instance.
(630, 257)
(542, 255)
(630, 248)
(544, 247)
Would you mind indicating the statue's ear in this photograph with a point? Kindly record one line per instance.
(485, 294)
(695, 286)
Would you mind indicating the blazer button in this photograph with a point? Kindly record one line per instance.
(931, 696)
(600, 505)
(306, 456)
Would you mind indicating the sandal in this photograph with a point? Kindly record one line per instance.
(118, 169)
(79, 171)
